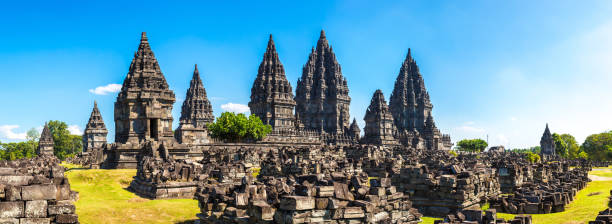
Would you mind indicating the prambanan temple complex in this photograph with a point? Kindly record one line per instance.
(314, 167)
(318, 114)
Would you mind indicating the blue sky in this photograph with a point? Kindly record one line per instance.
(497, 68)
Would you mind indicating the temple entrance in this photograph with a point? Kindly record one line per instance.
(153, 128)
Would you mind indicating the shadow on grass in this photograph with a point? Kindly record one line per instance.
(187, 222)
(77, 168)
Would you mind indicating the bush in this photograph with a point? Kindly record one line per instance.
(532, 157)
(237, 127)
(472, 145)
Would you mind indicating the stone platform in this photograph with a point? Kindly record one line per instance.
(166, 190)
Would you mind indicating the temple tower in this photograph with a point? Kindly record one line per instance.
(322, 92)
(409, 102)
(143, 114)
(143, 110)
(411, 109)
(95, 132)
(379, 128)
(355, 132)
(271, 95)
(45, 142)
(547, 144)
(196, 113)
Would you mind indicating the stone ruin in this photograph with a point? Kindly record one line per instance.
(306, 199)
(605, 216)
(477, 216)
(159, 176)
(548, 189)
(94, 142)
(35, 191)
(45, 142)
(547, 145)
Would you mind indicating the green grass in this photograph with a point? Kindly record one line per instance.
(584, 208)
(104, 199)
(429, 220)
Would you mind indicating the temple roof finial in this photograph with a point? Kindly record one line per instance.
(143, 37)
(322, 34)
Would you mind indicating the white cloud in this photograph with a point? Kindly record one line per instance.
(235, 107)
(215, 98)
(501, 139)
(7, 132)
(103, 90)
(470, 127)
(75, 130)
(513, 119)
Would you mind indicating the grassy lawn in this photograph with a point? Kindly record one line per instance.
(103, 199)
(584, 208)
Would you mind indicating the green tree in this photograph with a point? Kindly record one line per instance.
(66, 144)
(561, 147)
(573, 149)
(32, 135)
(237, 127)
(18, 150)
(598, 146)
(472, 145)
(532, 157)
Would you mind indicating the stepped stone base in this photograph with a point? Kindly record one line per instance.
(123, 156)
(172, 189)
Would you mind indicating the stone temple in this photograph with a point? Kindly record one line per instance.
(411, 109)
(322, 92)
(45, 142)
(318, 114)
(94, 136)
(379, 128)
(143, 111)
(547, 144)
(196, 113)
(271, 94)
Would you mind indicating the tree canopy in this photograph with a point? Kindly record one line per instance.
(598, 146)
(472, 145)
(237, 127)
(66, 144)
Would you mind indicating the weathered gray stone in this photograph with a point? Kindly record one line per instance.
(36, 209)
(67, 218)
(38, 192)
(34, 221)
(293, 203)
(13, 209)
(61, 209)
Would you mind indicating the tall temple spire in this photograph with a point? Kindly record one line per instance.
(411, 108)
(379, 129)
(196, 113)
(95, 132)
(196, 109)
(271, 94)
(409, 100)
(354, 129)
(144, 87)
(45, 142)
(322, 92)
(547, 144)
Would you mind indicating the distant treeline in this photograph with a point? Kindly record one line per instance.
(595, 147)
(66, 144)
